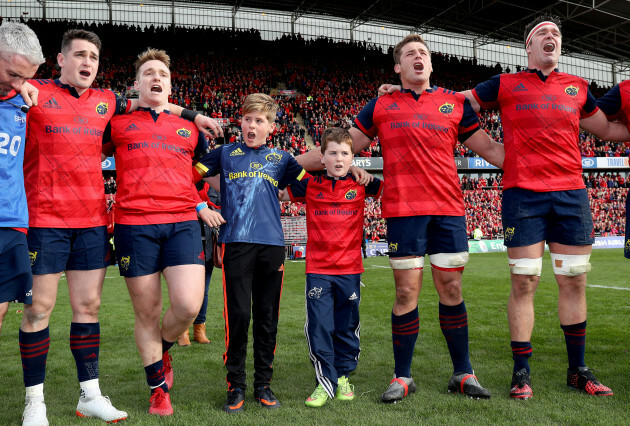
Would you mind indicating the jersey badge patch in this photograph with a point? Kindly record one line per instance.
(351, 195)
(571, 91)
(184, 133)
(447, 108)
(273, 158)
(101, 108)
(255, 166)
(33, 256)
(236, 152)
(393, 247)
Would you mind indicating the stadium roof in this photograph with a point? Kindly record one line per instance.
(592, 27)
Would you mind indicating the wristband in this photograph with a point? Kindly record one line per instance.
(201, 206)
(189, 114)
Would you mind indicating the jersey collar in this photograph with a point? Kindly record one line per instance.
(542, 76)
(415, 95)
(154, 114)
(69, 88)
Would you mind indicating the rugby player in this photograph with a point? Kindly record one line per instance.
(156, 229)
(544, 196)
(418, 129)
(67, 211)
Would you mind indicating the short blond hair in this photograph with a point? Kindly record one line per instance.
(152, 55)
(411, 38)
(262, 103)
(335, 134)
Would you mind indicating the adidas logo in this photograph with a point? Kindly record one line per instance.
(131, 127)
(91, 356)
(236, 152)
(52, 103)
(392, 107)
(353, 296)
(520, 87)
(319, 196)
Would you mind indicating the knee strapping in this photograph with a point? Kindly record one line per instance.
(449, 260)
(413, 263)
(570, 265)
(526, 266)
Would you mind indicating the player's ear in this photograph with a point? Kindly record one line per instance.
(60, 59)
(321, 157)
(273, 127)
(397, 68)
(136, 85)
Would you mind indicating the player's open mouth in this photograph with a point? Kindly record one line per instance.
(418, 66)
(251, 135)
(85, 73)
(338, 167)
(156, 88)
(549, 47)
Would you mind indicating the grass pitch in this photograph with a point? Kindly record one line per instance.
(199, 390)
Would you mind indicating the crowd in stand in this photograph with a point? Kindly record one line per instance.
(327, 82)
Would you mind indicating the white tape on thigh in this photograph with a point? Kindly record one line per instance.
(526, 266)
(570, 265)
(413, 263)
(449, 260)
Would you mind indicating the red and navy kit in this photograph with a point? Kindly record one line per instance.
(154, 154)
(418, 134)
(541, 122)
(334, 219)
(62, 162)
(616, 105)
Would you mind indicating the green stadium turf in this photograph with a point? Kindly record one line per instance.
(199, 389)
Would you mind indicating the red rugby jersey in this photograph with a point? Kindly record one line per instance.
(418, 135)
(154, 167)
(616, 103)
(334, 222)
(541, 124)
(62, 162)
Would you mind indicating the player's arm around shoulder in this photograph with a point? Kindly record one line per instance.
(492, 151)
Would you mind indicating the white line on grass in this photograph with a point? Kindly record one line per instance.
(610, 287)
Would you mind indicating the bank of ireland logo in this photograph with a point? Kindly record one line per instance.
(571, 91)
(509, 234)
(184, 133)
(351, 195)
(255, 166)
(273, 158)
(393, 247)
(33, 256)
(447, 108)
(101, 108)
(125, 261)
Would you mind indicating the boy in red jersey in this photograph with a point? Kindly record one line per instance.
(418, 129)
(156, 229)
(544, 196)
(334, 214)
(616, 106)
(67, 218)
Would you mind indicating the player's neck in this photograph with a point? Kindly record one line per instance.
(80, 90)
(545, 69)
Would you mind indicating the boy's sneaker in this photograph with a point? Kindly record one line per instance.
(265, 396)
(35, 414)
(398, 388)
(234, 402)
(467, 384)
(100, 407)
(521, 387)
(345, 391)
(167, 359)
(582, 378)
(160, 403)
(318, 398)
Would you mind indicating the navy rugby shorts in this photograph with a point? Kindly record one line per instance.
(16, 280)
(420, 235)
